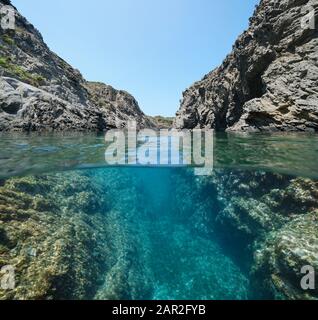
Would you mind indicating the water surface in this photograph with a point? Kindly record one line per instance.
(163, 230)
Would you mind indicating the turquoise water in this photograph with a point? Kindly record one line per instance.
(163, 224)
(182, 261)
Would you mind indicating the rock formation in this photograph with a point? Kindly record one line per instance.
(268, 82)
(267, 222)
(88, 234)
(162, 122)
(271, 220)
(41, 92)
(64, 237)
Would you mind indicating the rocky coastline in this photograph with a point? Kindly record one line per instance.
(39, 91)
(268, 82)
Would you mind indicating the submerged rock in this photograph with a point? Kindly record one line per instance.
(107, 234)
(274, 219)
(268, 82)
(55, 249)
(279, 261)
(63, 238)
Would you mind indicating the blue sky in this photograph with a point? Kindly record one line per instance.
(153, 49)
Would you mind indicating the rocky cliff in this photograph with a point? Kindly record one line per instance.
(39, 91)
(268, 82)
(266, 221)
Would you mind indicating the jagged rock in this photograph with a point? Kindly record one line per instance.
(27, 108)
(41, 92)
(274, 218)
(118, 107)
(6, 2)
(66, 238)
(279, 261)
(268, 82)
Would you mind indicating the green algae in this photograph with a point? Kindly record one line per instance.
(93, 234)
(48, 241)
(283, 255)
(276, 216)
(66, 241)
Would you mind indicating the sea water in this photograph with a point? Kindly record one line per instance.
(162, 232)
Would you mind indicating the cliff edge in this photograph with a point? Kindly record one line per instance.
(39, 91)
(268, 82)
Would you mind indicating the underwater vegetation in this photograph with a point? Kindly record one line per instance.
(51, 228)
(63, 240)
(158, 234)
(275, 217)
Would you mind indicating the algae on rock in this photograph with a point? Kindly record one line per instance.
(57, 248)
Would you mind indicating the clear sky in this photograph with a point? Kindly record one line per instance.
(153, 49)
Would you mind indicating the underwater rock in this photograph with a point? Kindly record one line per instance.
(279, 261)
(69, 236)
(266, 222)
(129, 276)
(103, 234)
(54, 248)
(257, 202)
(277, 214)
(246, 201)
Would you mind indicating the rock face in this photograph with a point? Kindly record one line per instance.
(39, 91)
(274, 218)
(162, 122)
(65, 239)
(268, 82)
(118, 106)
(266, 221)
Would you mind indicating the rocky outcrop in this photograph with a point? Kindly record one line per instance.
(27, 108)
(274, 219)
(162, 122)
(117, 106)
(268, 82)
(65, 237)
(52, 237)
(39, 91)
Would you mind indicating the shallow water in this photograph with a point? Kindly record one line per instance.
(183, 262)
(162, 223)
(289, 153)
